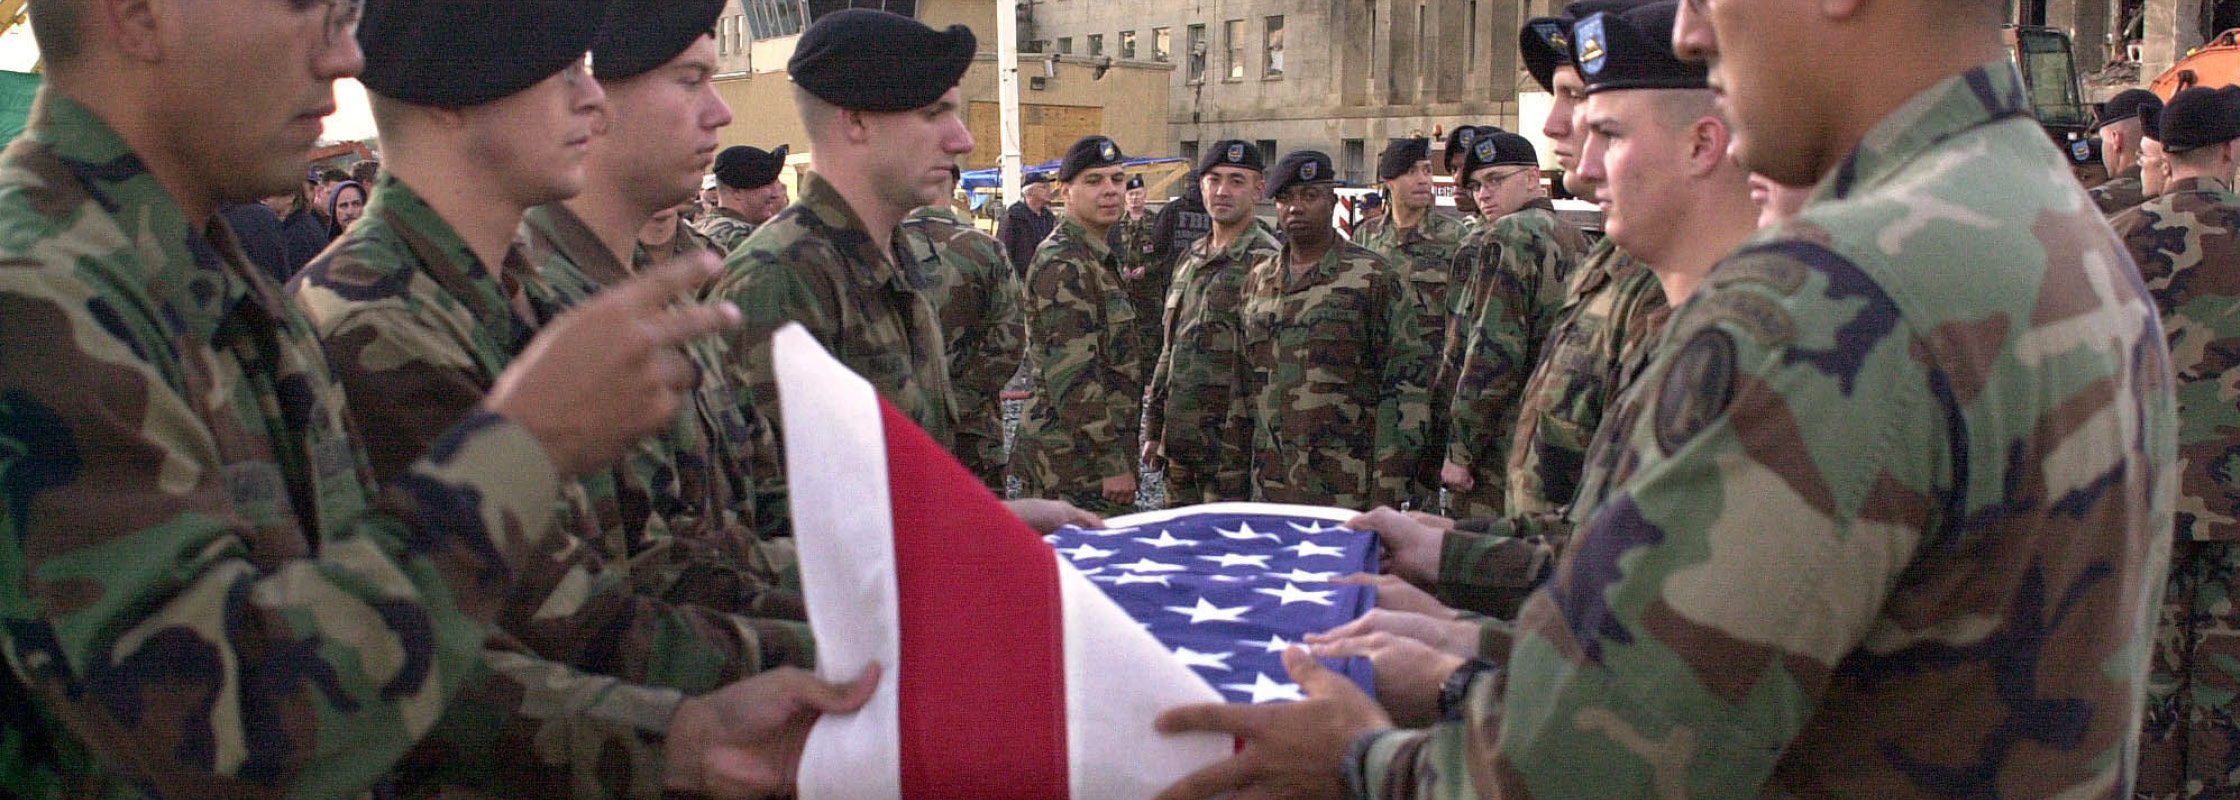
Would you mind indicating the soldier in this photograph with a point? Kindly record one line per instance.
(748, 193)
(836, 261)
(1369, 207)
(1145, 274)
(978, 297)
(1517, 265)
(2154, 164)
(1413, 234)
(2186, 243)
(1194, 394)
(1423, 244)
(1335, 359)
(1077, 433)
(1764, 604)
(2122, 126)
(1027, 222)
(419, 325)
(1456, 149)
(683, 510)
(209, 595)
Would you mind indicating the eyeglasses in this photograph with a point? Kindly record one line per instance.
(1496, 180)
(342, 18)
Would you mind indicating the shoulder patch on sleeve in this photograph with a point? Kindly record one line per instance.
(1696, 388)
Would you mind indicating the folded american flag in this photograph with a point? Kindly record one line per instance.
(1228, 586)
(1008, 674)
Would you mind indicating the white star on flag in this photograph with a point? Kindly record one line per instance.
(1148, 565)
(1293, 594)
(1193, 658)
(1244, 531)
(1086, 552)
(1310, 550)
(1274, 644)
(1315, 527)
(1166, 539)
(1264, 690)
(1125, 580)
(1239, 560)
(1208, 612)
(1303, 576)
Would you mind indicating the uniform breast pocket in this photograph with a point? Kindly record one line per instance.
(1337, 338)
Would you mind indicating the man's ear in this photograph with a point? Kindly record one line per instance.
(135, 25)
(1707, 145)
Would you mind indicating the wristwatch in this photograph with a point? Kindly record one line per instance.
(1457, 687)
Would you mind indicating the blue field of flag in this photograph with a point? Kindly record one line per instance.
(1228, 587)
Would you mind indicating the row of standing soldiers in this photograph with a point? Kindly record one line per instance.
(1392, 373)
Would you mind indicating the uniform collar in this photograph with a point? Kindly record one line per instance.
(831, 212)
(444, 256)
(2195, 185)
(203, 273)
(1241, 248)
(1988, 93)
(1074, 231)
(573, 240)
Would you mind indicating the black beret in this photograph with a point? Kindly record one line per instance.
(455, 54)
(1135, 181)
(1090, 152)
(1500, 148)
(1545, 44)
(2126, 105)
(1459, 141)
(1232, 153)
(743, 167)
(641, 35)
(866, 60)
(1302, 166)
(2150, 122)
(1371, 200)
(1632, 49)
(1399, 157)
(2200, 117)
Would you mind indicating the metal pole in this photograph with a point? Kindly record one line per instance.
(1007, 94)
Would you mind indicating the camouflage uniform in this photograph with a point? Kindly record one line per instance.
(2120, 193)
(418, 330)
(1616, 311)
(1131, 241)
(687, 240)
(1195, 388)
(206, 593)
(1517, 274)
(814, 264)
(977, 294)
(1878, 527)
(1079, 423)
(1425, 254)
(691, 493)
(2187, 246)
(726, 228)
(1429, 255)
(1335, 366)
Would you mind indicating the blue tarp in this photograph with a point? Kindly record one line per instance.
(992, 179)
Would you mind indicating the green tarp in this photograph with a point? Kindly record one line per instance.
(16, 91)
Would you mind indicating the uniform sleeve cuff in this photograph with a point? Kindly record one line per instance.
(1368, 763)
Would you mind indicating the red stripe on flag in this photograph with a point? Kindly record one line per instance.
(982, 678)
